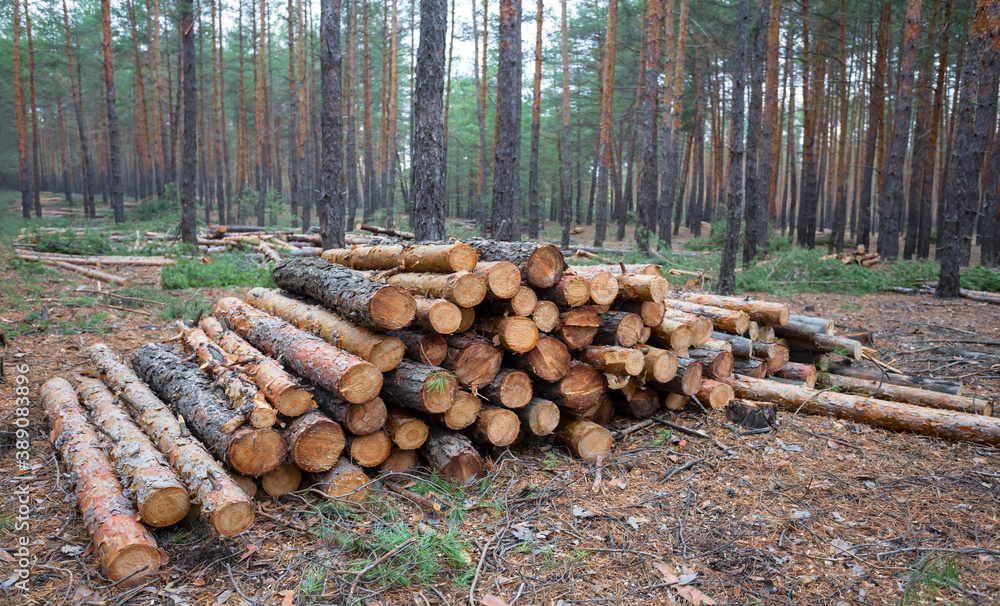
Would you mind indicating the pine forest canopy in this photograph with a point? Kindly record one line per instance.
(873, 120)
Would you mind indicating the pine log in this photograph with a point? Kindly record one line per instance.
(641, 403)
(314, 441)
(715, 362)
(766, 334)
(514, 334)
(368, 450)
(908, 395)
(645, 334)
(399, 461)
(723, 319)
(749, 367)
(421, 387)
(438, 315)
(453, 456)
(774, 354)
(277, 385)
(441, 258)
(763, 312)
(217, 497)
(659, 365)
(283, 480)
(571, 291)
(940, 385)
(468, 319)
(359, 419)
(405, 430)
(619, 328)
(503, 278)
(642, 287)
(510, 388)
(645, 269)
(125, 548)
(462, 288)
(651, 312)
(600, 413)
(614, 359)
(540, 417)
(723, 345)
(741, 346)
(548, 361)
(820, 325)
(800, 373)
(496, 426)
(145, 473)
(462, 413)
(714, 394)
(88, 272)
(701, 327)
(523, 302)
(578, 327)
(603, 287)
(546, 316)
(671, 334)
(346, 375)
(344, 482)
(473, 360)
(688, 379)
(541, 265)
(848, 348)
(674, 401)
(583, 438)
(95, 259)
(423, 347)
(894, 416)
(580, 389)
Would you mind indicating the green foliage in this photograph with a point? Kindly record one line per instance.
(228, 269)
(934, 580)
(981, 278)
(437, 381)
(662, 437)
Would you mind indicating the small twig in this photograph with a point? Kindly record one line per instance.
(378, 561)
(624, 433)
(676, 470)
(682, 429)
(237, 587)
(479, 569)
(420, 500)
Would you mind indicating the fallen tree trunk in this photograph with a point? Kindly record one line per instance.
(385, 231)
(894, 416)
(583, 438)
(425, 388)
(503, 278)
(438, 315)
(349, 293)
(764, 312)
(159, 495)
(908, 395)
(514, 334)
(125, 548)
(462, 288)
(86, 271)
(96, 259)
(359, 419)
(405, 430)
(344, 482)
(206, 409)
(541, 265)
(435, 258)
(510, 388)
(540, 417)
(383, 351)
(473, 360)
(848, 370)
(549, 360)
(314, 441)
(849, 348)
(452, 455)
(800, 373)
(423, 347)
(346, 375)
(219, 499)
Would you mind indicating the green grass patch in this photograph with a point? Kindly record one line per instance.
(228, 269)
(934, 580)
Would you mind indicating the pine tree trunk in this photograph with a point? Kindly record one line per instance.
(190, 125)
(840, 204)
(876, 110)
(505, 223)
(480, 81)
(756, 206)
(330, 206)
(88, 167)
(648, 180)
(144, 167)
(24, 163)
(428, 145)
(114, 149)
(36, 168)
(604, 141)
(566, 189)
(536, 111)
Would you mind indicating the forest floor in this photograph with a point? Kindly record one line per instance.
(820, 511)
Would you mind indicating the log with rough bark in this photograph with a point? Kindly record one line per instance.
(714, 394)
(503, 278)
(908, 395)
(349, 293)
(462, 413)
(360, 419)
(800, 373)
(546, 316)
(578, 327)
(580, 389)
(646, 269)
(125, 548)
(613, 359)
(619, 328)
(642, 287)
(437, 258)
(659, 365)
(715, 362)
(894, 416)
(369, 450)
(438, 315)
(571, 291)
(688, 379)
(95, 259)
(719, 344)
(421, 387)
(583, 438)
(764, 312)
(404, 429)
(453, 455)
(514, 334)
(346, 375)
(510, 388)
(540, 417)
(423, 347)
(462, 288)
(741, 346)
(774, 354)
(940, 385)
(244, 395)
(820, 343)
(728, 320)
(473, 360)
(344, 482)
(496, 426)
(278, 386)
(206, 409)
(314, 441)
(701, 327)
(820, 325)
(159, 495)
(640, 403)
(283, 480)
(548, 361)
(383, 351)
(672, 334)
(602, 412)
(400, 461)
(541, 265)
(88, 272)
(386, 231)
(651, 312)
(217, 497)
(749, 367)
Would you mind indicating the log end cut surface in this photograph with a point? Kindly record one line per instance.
(545, 267)
(134, 563)
(232, 518)
(502, 278)
(360, 383)
(165, 507)
(254, 452)
(392, 307)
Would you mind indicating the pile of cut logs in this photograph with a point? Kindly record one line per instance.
(859, 256)
(376, 358)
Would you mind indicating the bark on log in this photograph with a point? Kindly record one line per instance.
(353, 296)
(158, 493)
(646, 269)
(749, 367)
(283, 480)
(715, 362)
(583, 438)
(774, 354)
(86, 271)
(206, 409)
(125, 548)
(548, 361)
(426, 348)
(344, 482)
(383, 351)
(545, 316)
(462, 413)
(346, 375)
(462, 288)
(650, 312)
(722, 345)
(510, 389)
(439, 258)
(848, 370)
(580, 389)
(541, 265)
(642, 287)
(642, 403)
(368, 450)
(473, 360)
(714, 394)
(613, 359)
(659, 365)
(908, 395)
(453, 456)
(540, 417)
(820, 325)
(503, 278)
(496, 426)
(277, 385)
(314, 441)
(763, 312)
(894, 416)
(218, 498)
(619, 328)
(438, 315)
(404, 429)
(514, 334)
(848, 348)
(359, 419)
(723, 319)
(421, 387)
(571, 291)
(800, 373)
(701, 327)
(578, 327)
(671, 334)
(741, 346)
(600, 413)
(400, 461)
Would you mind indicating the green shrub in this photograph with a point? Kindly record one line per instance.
(230, 269)
(981, 278)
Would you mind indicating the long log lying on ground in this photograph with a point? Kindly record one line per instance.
(421, 387)
(96, 259)
(540, 417)
(462, 288)
(764, 312)
(820, 325)
(893, 416)
(349, 293)
(206, 409)
(473, 360)
(908, 395)
(278, 386)
(438, 315)
(125, 548)
(583, 438)
(503, 278)
(86, 271)
(383, 351)
(218, 498)
(424, 347)
(848, 370)
(541, 265)
(849, 348)
(344, 482)
(360, 419)
(453, 455)
(548, 361)
(159, 495)
(344, 374)
(314, 441)
(728, 320)
(580, 389)
(439, 258)
(514, 334)
(511, 388)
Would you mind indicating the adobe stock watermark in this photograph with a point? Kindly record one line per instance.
(22, 454)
